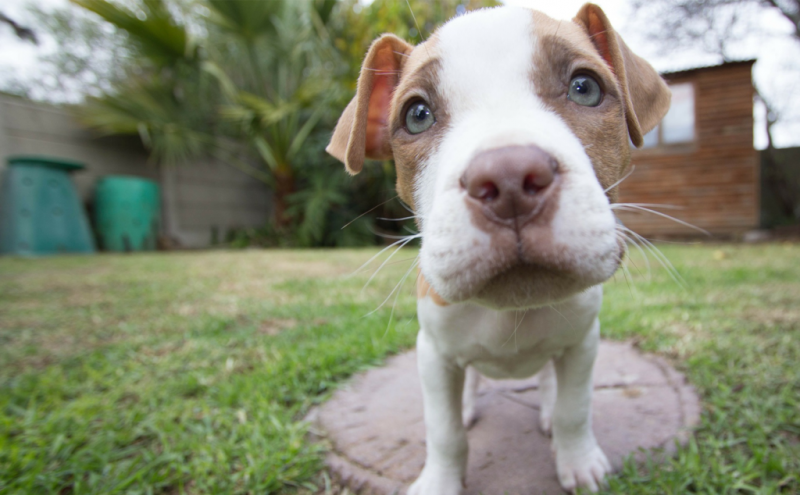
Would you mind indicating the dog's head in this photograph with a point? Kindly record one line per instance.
(507, 129)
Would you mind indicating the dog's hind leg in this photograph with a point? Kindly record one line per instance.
(548, 389)
(469, 411)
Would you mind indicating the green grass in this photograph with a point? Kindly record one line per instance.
(190, 373)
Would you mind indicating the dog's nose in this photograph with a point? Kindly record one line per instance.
(510, 181)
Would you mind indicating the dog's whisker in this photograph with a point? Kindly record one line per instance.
(629, 280)
(397, 219)
(399, 288)
(562, 315)
(621, 236)
(673, 273)
(646, 258)
(616, 206)
(382, 72)
(664, 215)
(612, 186)
(397, 262)
(516, 327)
(390, 236)
(390, 246)
(419, 30)
(402, 243)
(598, 33)
(369, 211)
(400, 53)
(408, 208)
(413, 265)
(627, 276)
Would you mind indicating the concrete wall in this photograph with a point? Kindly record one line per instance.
(207, 197)
(198, 198)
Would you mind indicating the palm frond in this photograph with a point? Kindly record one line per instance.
(248, 19)
(161, 38)
(149, 112)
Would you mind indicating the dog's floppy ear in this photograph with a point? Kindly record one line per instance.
(363, 128)
(646, 95)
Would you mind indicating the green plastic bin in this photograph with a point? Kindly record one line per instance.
(127, 213)
(40, 211)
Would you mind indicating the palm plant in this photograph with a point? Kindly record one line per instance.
(257, 79)
(285, 90)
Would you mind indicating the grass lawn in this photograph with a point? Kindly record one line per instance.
(189, 372)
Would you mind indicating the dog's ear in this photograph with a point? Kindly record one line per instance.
(646, 95)
(363, 129)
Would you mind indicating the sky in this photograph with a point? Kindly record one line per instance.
(773, 72)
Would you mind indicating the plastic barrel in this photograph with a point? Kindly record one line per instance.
(40, 211)
(127, 213)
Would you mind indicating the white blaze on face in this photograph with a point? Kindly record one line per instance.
(485, 77)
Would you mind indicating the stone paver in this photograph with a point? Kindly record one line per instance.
(377, 435)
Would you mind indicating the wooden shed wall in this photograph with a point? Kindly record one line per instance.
(712, 182)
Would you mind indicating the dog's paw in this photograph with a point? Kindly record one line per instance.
(546, 423)
(583, 469)
(469, 415)
(436, 482)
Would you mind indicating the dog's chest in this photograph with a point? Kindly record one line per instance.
(508, 344)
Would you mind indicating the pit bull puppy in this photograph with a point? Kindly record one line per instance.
(509, 131)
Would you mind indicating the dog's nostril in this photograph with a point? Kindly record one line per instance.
(529, 184)
(484, 191)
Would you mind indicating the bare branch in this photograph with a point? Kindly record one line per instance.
(22, 32)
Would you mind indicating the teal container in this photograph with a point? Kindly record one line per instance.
(127, 213)
(40, 211)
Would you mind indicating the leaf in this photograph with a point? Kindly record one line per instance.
(247, 19)
(225, 82)
(266, 153)
(158, 34)
(303, 133)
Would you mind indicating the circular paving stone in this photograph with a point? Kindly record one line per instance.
(377, 436)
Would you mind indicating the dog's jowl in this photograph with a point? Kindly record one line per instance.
(508, 130)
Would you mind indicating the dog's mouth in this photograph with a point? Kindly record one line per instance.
(527, 269)
(527, 285)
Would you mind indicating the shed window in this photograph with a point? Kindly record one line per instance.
(678, 125)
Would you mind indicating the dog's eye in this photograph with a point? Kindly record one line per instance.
(419, 118)
(585, 91)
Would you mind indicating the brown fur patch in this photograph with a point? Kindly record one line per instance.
(565, 51)
(424, 290)
(420, 81)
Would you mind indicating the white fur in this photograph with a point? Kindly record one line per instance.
(485, 77)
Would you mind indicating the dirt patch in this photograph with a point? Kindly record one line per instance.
(773, 316)
(274, 326)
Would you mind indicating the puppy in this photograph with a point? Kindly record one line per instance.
(509, 131)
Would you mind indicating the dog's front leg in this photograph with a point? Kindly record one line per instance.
(445, 436)
(579, 460)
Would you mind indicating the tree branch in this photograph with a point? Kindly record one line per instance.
(22, 32)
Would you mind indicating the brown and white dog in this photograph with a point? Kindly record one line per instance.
(509, 131)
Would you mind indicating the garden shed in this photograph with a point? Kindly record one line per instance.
(700, 159)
